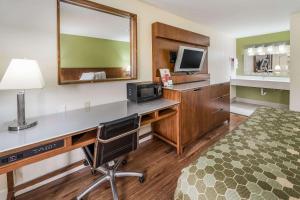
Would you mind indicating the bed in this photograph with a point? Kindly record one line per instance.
(258, 160)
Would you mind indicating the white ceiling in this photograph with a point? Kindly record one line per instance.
(238, 18)
(81, 21)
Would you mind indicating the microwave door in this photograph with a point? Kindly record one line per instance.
(147, 92)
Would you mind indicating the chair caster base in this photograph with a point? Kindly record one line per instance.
(124, 162)
(142, 179)
(85, 163)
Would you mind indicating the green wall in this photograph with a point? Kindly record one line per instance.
(81, 51)
(274, 96)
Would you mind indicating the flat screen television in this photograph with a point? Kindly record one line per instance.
(190, 59)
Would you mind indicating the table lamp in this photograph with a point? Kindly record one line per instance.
(22, 74)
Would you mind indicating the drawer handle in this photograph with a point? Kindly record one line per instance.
(198, 89)
(223, 96)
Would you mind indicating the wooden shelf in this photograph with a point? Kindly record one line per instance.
(157, 115)
(148, 118)
(166, 111)
(84, 138)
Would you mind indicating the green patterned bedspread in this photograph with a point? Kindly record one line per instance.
(258, 160)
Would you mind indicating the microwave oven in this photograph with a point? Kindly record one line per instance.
(143, 91)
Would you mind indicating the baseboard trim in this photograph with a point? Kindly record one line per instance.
(43, 180)
(261, 103)
(60, 172)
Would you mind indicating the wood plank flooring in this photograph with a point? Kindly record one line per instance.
(157, 159)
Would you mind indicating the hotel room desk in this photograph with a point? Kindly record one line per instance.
(76, 129)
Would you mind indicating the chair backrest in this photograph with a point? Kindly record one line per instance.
(116, 138)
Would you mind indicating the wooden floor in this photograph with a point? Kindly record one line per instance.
(157, 159)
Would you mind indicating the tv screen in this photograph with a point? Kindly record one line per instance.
(190, 59)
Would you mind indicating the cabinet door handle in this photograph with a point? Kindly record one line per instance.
(219, 110)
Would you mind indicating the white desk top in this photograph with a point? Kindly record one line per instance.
(62, 124)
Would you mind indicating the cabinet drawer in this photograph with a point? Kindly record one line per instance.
(220, 111)
(220, 116)
(219, 90)
(222, 102)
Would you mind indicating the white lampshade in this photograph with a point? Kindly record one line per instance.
(22, 74)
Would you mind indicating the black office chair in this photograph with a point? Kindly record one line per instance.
(114, 140)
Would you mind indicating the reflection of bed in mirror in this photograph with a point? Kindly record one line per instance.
(75, 74)
(96, 43)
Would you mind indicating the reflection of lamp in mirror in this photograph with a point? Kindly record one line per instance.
(22, 74)
(277, 68)
(127, 70)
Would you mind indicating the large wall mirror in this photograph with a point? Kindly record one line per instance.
(273, 59)
(95, 43)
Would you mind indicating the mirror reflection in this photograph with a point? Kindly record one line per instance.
(94, 45)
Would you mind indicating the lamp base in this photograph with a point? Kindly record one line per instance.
(17, 127)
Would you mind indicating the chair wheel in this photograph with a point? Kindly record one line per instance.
(142, 179)
(124, 162)
(85, 163)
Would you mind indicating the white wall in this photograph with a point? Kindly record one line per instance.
(28, 29)
(295, 63)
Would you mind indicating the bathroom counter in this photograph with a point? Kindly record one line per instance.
(270, 82)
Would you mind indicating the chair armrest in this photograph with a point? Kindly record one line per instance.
(116, 137)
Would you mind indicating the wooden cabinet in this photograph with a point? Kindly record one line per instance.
(201, 109)
(193, 112)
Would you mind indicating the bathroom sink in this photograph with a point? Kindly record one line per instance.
(270, 82)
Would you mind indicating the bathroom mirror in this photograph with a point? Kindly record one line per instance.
(96, 43)
(271, 59)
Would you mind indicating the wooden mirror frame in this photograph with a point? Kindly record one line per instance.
(109, 10)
